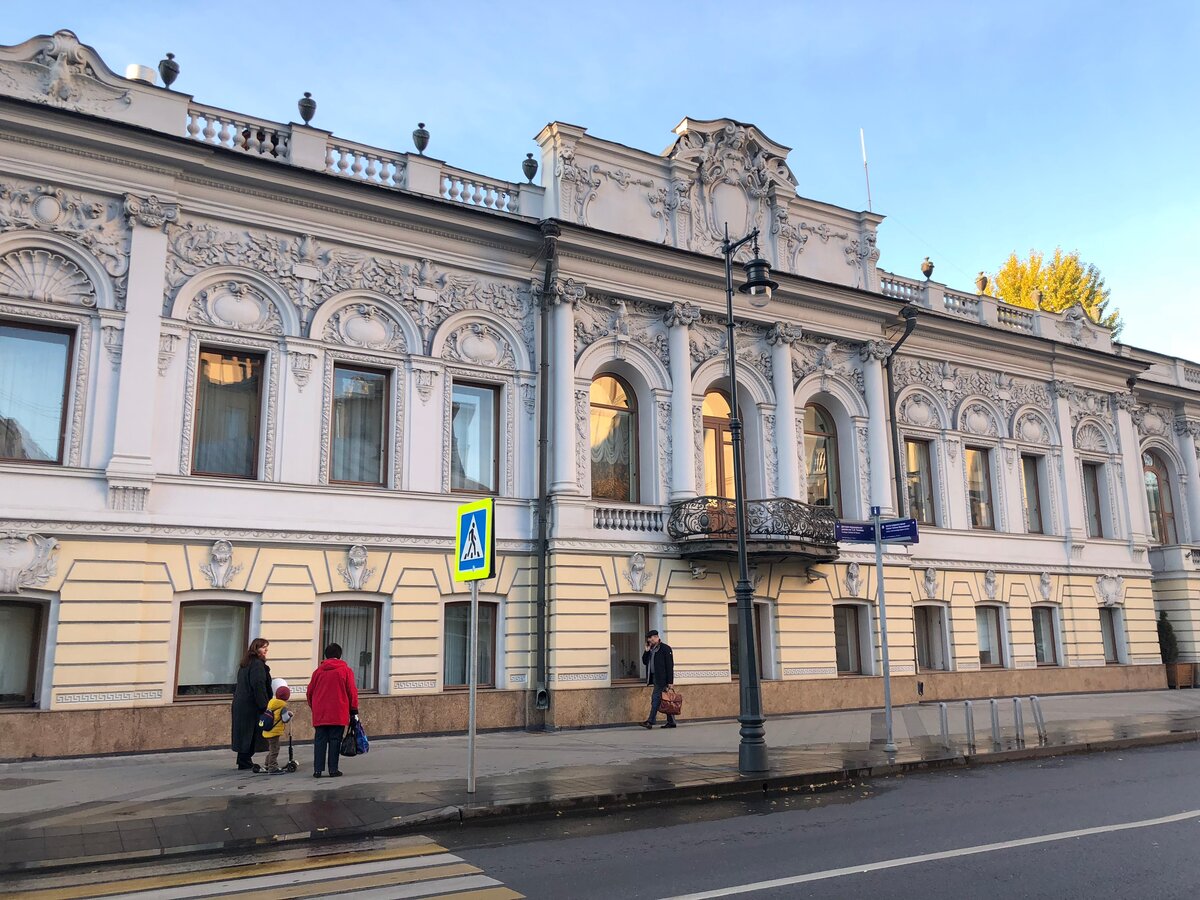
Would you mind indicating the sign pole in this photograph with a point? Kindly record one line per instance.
(890, 746)
(473, 684)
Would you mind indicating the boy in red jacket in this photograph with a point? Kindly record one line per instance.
(333, 697)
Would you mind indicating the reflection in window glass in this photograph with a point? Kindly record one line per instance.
(735, 642)
(614, 441)
(928, 621)
(987, 626)
(979, 487)
(821, 458)
(473, 459)
(718, 446)
(1158, 497)
(846, 640)
(1031, 493)
(1108, 634)
(1091, 499)
(34, 364)
(228, 406)
(920, 481)
(359, 424)
(1044, 645)
(212, 639)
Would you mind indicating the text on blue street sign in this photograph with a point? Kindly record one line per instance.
(895, 531)
(855, 532)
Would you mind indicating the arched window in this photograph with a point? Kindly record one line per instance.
(1158, 497)
(821, 458)
(718, 445)
(614, 440)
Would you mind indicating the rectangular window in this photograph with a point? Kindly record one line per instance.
(228, 410)
(846, 640)
(474, 462)
(458, 629)
(735, 642)
(358, 453)
(628, 624)
(979, 487)
(35, 365)
(1092, 479)
(1031, 493)
(212, 639)
(355, 627)
(1109, 633)
(919, 477)
(987, 624)
(20, 641)
(1044, 643)
(930, 631)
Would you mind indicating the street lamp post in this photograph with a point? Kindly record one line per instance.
(752, 751)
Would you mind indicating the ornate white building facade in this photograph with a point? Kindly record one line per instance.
(248, 369)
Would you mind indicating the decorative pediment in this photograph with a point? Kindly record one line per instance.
(976, 418)
(236, 305)
(365, 325)
(45, 277)
(919, 409)
(480, 344)
(1091, 437)
(1032, 428)
(57, 69)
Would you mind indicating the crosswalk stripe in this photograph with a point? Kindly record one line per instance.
(439, 889)
(337, 886)
(496, 893)
(267, 882)
(156, 882)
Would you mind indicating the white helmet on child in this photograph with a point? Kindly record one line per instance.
(276, 684)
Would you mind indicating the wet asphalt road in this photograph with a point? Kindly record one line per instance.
(704, 846)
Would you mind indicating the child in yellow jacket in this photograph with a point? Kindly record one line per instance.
(278, 708)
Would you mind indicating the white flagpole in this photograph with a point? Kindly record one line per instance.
(862, 139)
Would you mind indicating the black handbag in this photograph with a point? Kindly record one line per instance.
(349, 743)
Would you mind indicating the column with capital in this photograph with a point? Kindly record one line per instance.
(781, 337)
(564, 296)
(878, 423)
(130, 470)
(1186, 433)
(679, 318)
(1134, 493)
(1070, 485)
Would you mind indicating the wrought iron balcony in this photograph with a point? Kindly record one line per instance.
(778, 528)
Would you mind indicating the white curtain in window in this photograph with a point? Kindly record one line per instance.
(356, 630)
(211, 644)
(18, 642)
(358, 426)
(228, 404)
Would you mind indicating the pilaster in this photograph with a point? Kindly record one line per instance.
(683, 446)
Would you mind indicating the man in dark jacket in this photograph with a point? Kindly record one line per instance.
(660, 673)
(333, 697)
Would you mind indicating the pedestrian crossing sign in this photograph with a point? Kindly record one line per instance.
(475, 541)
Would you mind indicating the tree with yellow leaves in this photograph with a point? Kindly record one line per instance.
(1055, 286)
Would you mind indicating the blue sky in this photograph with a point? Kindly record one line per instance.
(990, 127)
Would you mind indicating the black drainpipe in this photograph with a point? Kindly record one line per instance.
(910, 323)
(550, 234)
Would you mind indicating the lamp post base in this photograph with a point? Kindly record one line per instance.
(752, 751)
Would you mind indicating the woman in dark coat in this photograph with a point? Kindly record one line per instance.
(250, 699)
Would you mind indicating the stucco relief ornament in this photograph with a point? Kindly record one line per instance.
(682, 314)
(1074, 325)
(150, 211)
(26, 561)
(989, 585)
(365, 325)
(220, 568)
(1044, 586)
(930, 584)
(636, 574)
(238, 306)
(355, 572)
(876, 350)
(45, 277)
(853, 579)
(784, 333)
(578, 185)
(1110, 589)
(60, 71)
(301, 367)
(481, 345)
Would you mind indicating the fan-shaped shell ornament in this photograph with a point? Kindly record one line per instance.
(46, 277)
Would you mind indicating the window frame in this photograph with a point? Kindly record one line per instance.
(942, 636)
(633, 410)
(72, 334)
(724, 435)
(1116, 617)
(488, 685)
(183, 605)
(1092, 495)
(375, 658)
(834, 479)
(37, 654)
(860, 641)
(762, 622)
(647, 610)
(497, 390)
(1052, 610)
(216, 346)
(1002, 648)
(386, 440)
(990, 484)
(928, 444)
(1164, 518)
(1039, 466)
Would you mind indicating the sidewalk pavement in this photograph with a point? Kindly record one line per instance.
(86, 811)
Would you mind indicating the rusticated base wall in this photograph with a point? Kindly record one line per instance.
(63, 733)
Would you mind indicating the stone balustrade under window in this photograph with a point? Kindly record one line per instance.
(625, 517)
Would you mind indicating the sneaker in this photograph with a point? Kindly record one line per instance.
(316, 774)
(647, 724)
(335, 774)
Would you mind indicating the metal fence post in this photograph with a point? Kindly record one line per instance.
(995, 721)
(1038, 719)
(944, 717)
(969, 713)
(1019, 721)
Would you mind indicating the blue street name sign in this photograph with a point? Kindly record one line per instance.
(855, 532)
(899, 531)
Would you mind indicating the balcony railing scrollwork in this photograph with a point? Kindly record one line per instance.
(778, 527)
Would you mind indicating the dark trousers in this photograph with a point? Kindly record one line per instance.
(245, 760)
(327, 744)
(655, 700)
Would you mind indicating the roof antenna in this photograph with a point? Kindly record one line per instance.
(862, 139)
